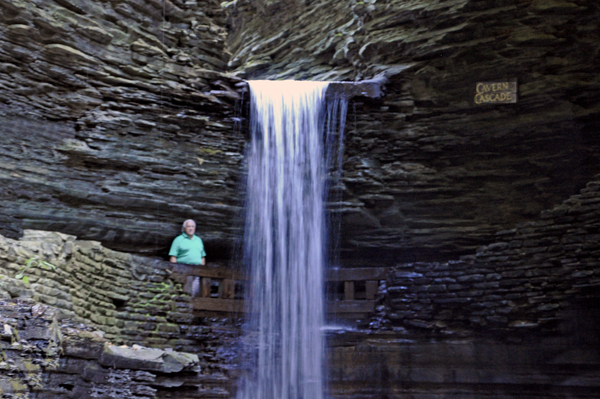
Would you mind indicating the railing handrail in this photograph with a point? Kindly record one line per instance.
(349, 274)
(221, 272)
(226, 280)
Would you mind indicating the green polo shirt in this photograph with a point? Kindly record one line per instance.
(188, 250)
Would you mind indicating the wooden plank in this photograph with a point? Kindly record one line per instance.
(351, 306)
(237, 306)
(358, 274)
(226, 289)
(211, 314)
(503, 92)
(180, 271)
(218, 305)
(219, 272)
(371, 288)
(187, 287)
(205, 287)
(348, 290)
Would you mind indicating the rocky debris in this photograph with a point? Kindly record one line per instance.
(542, 275)
(44, 355)
(147, 359)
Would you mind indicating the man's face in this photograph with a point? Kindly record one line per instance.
(190, 228)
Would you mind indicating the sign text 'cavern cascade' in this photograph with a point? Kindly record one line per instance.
(496, 92)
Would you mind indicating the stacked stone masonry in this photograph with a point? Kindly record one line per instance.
(43, 355)
(130, 299)
(534, 278)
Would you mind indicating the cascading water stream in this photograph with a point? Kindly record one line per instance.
(284, 242)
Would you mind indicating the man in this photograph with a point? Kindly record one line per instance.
(188, 248)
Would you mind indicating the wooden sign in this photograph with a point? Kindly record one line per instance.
(496, 92)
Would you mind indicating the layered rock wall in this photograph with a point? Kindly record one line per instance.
(129, 298)
(429, 174)
(538, 276)
(116, 122)
(44, 356)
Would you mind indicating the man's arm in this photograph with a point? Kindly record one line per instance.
(174, 251)
(203, 262)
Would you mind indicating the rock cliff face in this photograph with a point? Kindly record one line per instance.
(119, 119)
(116, 121)
(429, 174)
(45, 357)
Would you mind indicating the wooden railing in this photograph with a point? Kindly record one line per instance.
(358, 287)
(217, 288)
(221, 289)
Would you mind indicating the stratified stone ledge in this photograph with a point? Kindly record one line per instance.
(346, 90)
(149, 359)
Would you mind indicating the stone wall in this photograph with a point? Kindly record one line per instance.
(129, 299)
(517, 319)
(537, 276)
(42, 355)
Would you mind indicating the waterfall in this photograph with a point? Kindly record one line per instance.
(284, 241)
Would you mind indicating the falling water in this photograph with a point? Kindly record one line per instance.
(285, 240)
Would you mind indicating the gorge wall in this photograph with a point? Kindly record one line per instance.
(119, 119)
(102, 323)
(117, 122)
(429, 174)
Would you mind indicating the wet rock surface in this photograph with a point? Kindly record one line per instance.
(385, 366)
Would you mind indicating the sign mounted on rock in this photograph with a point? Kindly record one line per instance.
(504, 92)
